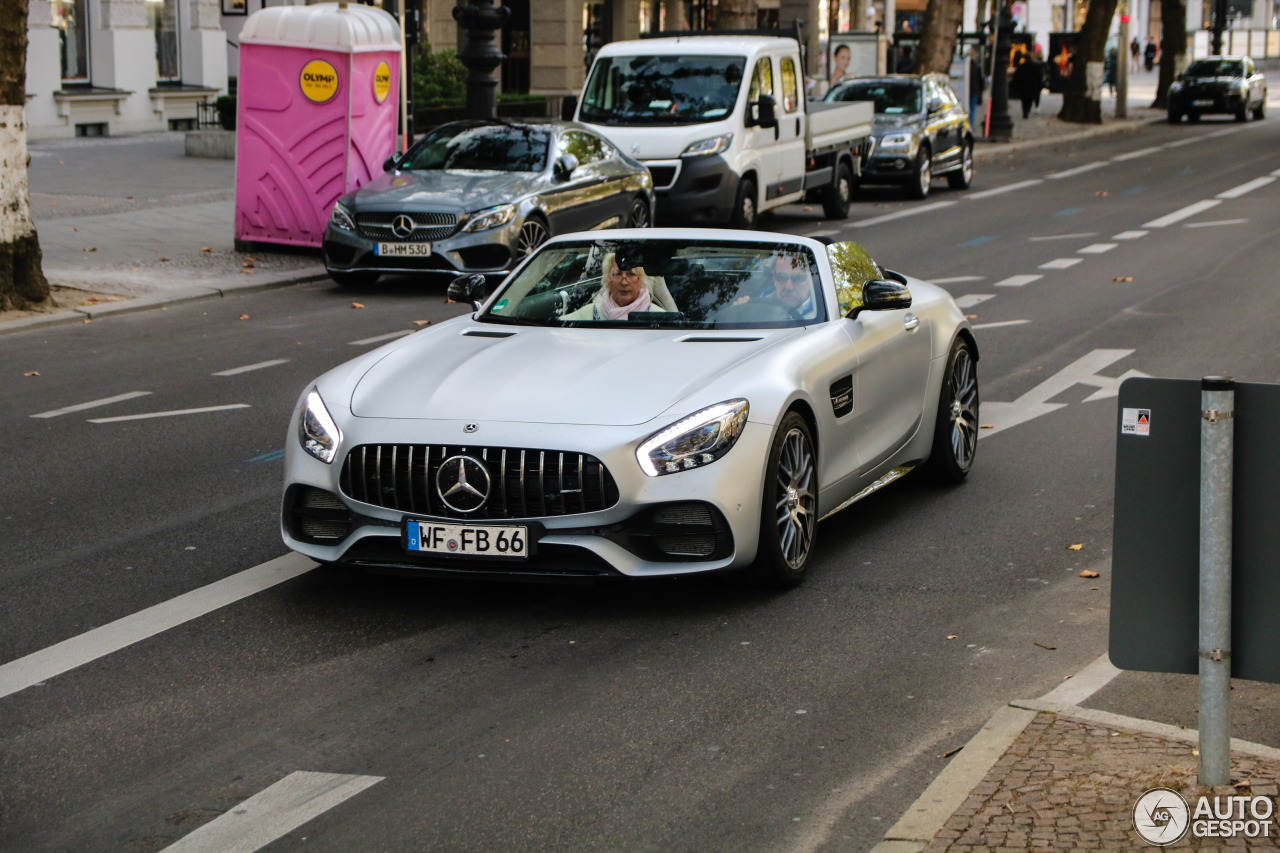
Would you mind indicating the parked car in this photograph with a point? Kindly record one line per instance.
(921, 131)
(479, 196)
(760, 382)
(723, 124)
(1218, 84)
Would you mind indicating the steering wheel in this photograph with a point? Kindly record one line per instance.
(775, 302)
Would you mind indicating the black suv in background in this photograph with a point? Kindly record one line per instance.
(921, 130)
(1218, 84)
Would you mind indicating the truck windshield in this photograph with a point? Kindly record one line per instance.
(661, 90)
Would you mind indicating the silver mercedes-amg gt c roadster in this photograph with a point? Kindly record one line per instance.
(650, 402)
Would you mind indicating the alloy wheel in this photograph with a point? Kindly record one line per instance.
(963, 408)
(796, 502)
(532, 235)
(639, 215)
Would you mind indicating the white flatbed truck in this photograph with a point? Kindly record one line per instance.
(724, 127)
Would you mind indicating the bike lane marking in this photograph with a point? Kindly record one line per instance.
(93, 404)
(172, 413)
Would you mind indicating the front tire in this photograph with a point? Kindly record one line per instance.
(744, 207)
(639, 217)
(1261, 112)
(533, 233)
(955, 430)
(836, 198)
(789, 510)
(962, 178)
(1242, 114)
(1174, 117)
(922, 176)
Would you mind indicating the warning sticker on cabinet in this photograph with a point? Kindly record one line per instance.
(1135, 422)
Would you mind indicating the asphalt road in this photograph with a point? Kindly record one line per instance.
(689, 715)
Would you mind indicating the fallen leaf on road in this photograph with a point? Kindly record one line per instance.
(1088, 574)
(94, 249)
(32, 373)
(1065, 677)
(86, 321)
(952, 636)
(251, 260)
(1045, 646)
(244, 316)
(422, 322)
(164, 260)
(206, 248)
(248, 272)
(1123, 278)
(1094, 588)
(986, 426)
(77, 230)
(62, 162)
(1245, 783)
(1102, 192)
(971, 316)
(952, 752)
(53, 204)
(449, 301)
(1075, 547)
(128, 196)
(357, 304)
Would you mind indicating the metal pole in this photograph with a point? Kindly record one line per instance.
(1217, 444)
(1122, 63)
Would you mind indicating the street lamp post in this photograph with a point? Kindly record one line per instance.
(1000, 125)
(482, 20)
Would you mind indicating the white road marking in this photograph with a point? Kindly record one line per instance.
(1181, 142)
(1060, 263)
(1034, 403)
(956, 279)
(1079, 236)
(1276, 172)
(1215, 224)
(102, 641)
(1130, 235)
(1078, 170)
(1000, 324)
(1248, 187)
(1224, 132)
(380, 338)
(248, 367)
(169, 414)
(105, 401)
(1134, 155)
(910, 211)
(971, 299)
(1006, 189)
(273, 813)
(1185, 213)
(1097, 248)
(1018, 280)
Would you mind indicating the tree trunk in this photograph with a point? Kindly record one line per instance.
(938, 35)
(1173, 40)
(736, 15)
(22, 283)
(1082, 100)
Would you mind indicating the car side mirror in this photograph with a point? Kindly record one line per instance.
(882, 295)
(565, 166)
(467, 288)
(390, 163)
(766, 112)
(568, 106)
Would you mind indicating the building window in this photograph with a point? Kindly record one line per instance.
(70, 19)
(162, 17)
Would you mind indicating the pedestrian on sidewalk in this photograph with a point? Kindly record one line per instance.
(977, 84)
(1149, 53)
(1135, 51)
(1110, 70)
(1026, 83)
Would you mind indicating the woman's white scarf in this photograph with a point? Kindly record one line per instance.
(613, 311)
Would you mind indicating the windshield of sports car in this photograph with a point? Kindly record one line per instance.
(664, 284)
(661, 90)
(890, 98)
(1215, 68)
(480, 148)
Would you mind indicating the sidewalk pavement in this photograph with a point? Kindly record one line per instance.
(132, 223)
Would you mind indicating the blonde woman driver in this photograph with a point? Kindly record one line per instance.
(626, 291)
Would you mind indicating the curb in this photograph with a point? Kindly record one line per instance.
(214, 289)
(992, 148)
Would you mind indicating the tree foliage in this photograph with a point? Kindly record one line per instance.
(439, 77)
(736, 14)
(1082, 100)
(938, 35)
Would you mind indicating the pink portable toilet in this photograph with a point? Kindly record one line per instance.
(318, 99)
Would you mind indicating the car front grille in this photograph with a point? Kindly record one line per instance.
(427, 226)
(524, 483)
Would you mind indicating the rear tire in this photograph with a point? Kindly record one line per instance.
(789, 507)
(962, 178)
(1242, 114)
(354, 280)
(744, 207)
(1261, 112)
(955, 430)
(836, 198)
(1193, 117)
(922, 176)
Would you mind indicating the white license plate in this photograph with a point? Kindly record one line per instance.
(466, 540)
(402, 250)
(1203, 102)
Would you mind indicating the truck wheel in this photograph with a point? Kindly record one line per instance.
(836, 197)
(921, 176)
(744, 208)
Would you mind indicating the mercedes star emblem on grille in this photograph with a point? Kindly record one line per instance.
(463, 483)
(471, 427)
(402, 226)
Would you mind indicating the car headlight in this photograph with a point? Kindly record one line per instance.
(341, 217)
(491, 217)
(703, 147)
(693, 441)
(318, 433)
(1175, 86)
(895, 141)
